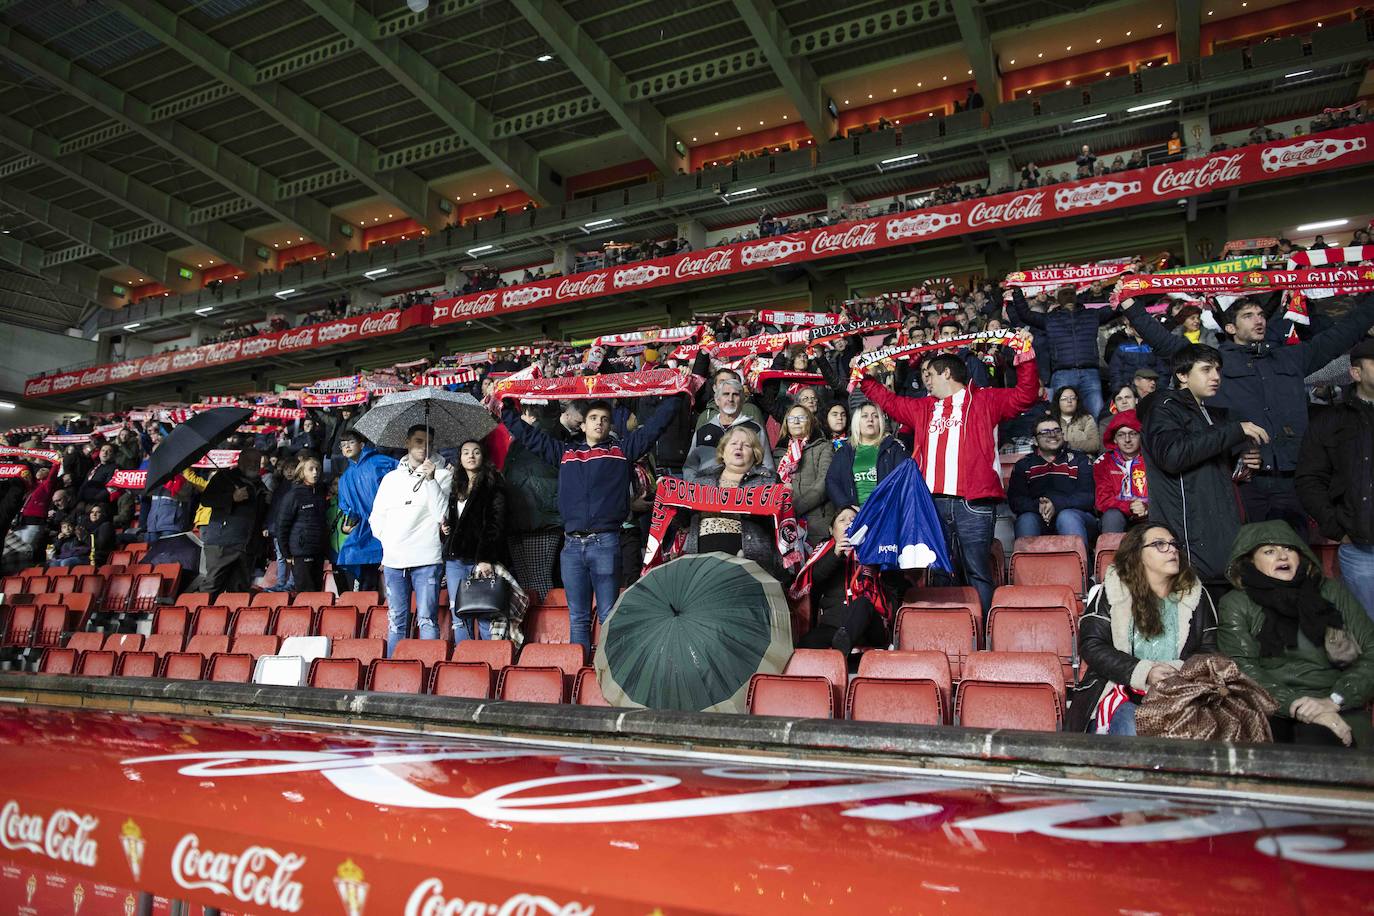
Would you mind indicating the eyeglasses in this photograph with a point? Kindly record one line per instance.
(796, 419)
(1127, 433)
(1050, 431)
(1164, 546)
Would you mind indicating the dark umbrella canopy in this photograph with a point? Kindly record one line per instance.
(454, 417)
(190, 442)
(690, 635)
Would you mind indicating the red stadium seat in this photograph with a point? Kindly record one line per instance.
(998, 558)
(233, 600)
(255, 645)
(1328, 552)
(547, 624)
(827, 663)
(230, 667)
(794, 696)
(1035, 596)
(336, 673)
(1105, 552)
(137, 549)
(13, 585)
(22, 623)
(587, 690)
(339, 621)
(119, 589)
(194, 601)
(567, 657)
(907, 701)
(498, 653)
(1052, 559)
(207, 645)
(212, 620)
(96, 664)
(951, 630)
(1021, 690)
(120, 558)
(138, 664)
(57, 660)
(429, 652)
(38, 584)
(183, 666)
(86, 642)
(119, 643)
(64, 585)
(1013, 629)
(171, 619)
(377, 623)
(171, 578)
(554, 597)
(295, 620)
(271, 599)
(53, 621)
(160, 644)
(396, 675)
(86, 570)
(461, 679)
(314, 600)
(252, 621)
(926, 665)
(365, 650)
(529, 684)
(92, 584)
(360, 600)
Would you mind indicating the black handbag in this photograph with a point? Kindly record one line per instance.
(484, 596)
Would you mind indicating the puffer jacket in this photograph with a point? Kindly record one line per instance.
(757, 537)
(1106, 634)
(1128, 359)
(301, 527)
(1070, 334)
(1303, 671)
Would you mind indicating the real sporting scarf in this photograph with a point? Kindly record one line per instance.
(587, 387)
(860, 581)
(127, 480)
(772, 500)
(1075, 275)
(1340, 279)
(667, 335)
(797, 319)
(13, 471)
(340, 383)
(278, 413)
(818, 336)
(31, 454)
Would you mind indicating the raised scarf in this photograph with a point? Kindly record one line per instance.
(773, 500)
(1290, 607)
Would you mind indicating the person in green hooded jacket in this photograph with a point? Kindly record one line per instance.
(1302, 636)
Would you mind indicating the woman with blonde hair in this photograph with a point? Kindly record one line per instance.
(860, 463)
(802, 459)
(739, 463)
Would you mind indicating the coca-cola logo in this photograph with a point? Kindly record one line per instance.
(525, 295)
(305, 337)
(1093, 194)
(716, 261)
(121, 371)
(1309, 152)
(255, 346)
(95, 376)
(468, 309)
(222, 353)
(428, 900)
(259, 875)
(767, 252)
(187, 359)
(919, 225)
(155, 366)
(593, 284)
(638, 276)
(1020, 207)
(64, 836)
(339, 330)
(1214, 171)
(852, 238)
(39, 387)
(387, 323)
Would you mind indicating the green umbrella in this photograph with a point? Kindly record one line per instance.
(691, 633)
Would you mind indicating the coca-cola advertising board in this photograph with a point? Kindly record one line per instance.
(273, 819)
(344, 330)
(1273, 161)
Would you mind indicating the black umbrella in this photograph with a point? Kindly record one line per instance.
(455, 417)
(191, 441)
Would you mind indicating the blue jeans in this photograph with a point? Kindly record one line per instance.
(455, 571)
(1088, 382)
(591, 566)
(284, 578)
(968, 535)
(1114, 521)
(1357, 571)
(1066, 521)
(424, 582)
(1123, 720)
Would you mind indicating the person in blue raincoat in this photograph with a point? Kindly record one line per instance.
(360, 555)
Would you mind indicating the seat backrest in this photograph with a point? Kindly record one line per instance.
(121, 558)
(86, 642)
(251, 621)
(83, 570)
(38, 583)
(271, 599)
(77, 601)
(360, 600)
(377, 623)
(53, 620)
(1050, 560)
(461, 679)
(1016, 668)
(23, 620)
(827, 663)
(207, 645)
(147, 589)
(64, 585)
(161, 643)
(910, 701)
(497, 653)
(793, 695)
(118, 588)
(587, 690)
(569, 657)
(554, 597)
(314, 599)
(529, 684)
(396, 675)
(294, 620)
(233, 600)
(96, 664)
(254, 645)
(91, 584)
(234, 668)
(429, 651)
(183, 666)
(339, 620)
(171, 619)
(281, 670)
(951, 630)
(138, 664)
(929, 664)
(336, 673)
(941, 596)
(307, 647)
(13, 585)
(171, 577)
(119, 643)
(547, 625)
(1013, 629)
(365, 650)
(194, 601)
(212, 621)
(57, 660)
(989, 704)
(1049, 595)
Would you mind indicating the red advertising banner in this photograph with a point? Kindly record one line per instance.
(1248, 165)
(344, 330)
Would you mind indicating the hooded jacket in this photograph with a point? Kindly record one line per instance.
(357, 491)
(1303, 671)
(1188, 463)
(1335, 478)
(1118, 480)
(406, 514)
(1106, 637)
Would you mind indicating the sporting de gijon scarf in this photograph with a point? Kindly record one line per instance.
(772, 500)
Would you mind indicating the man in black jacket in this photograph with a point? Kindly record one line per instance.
(1190, 450)
(1071, 341)
(238, 503)
(1335, 477)
(1263, 383)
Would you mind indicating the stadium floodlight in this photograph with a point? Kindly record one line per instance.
(597, 223)
(544, 58)
(481, 249)
(6, 405)
(1086, 118)
(898, 161)
(1289, 76)
(1148, 106)
(130, 327)
(375, 272)
(417, 6)
(206, 310)
(283, 293)
(1322, 224)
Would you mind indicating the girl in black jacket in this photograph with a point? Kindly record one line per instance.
(301, 528)
(474, 532)
(849, 601)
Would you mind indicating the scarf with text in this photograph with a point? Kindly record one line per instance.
(1021, 345)
(31, 454)
(13, 471)
(1257, 244)
(772, 500)
(797, 319)
(1048, 279)
(1342, 280)
(586, 387)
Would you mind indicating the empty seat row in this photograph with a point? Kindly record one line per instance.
(361, 600)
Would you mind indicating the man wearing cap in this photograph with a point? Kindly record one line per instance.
(1145, 381)
(1335, 476)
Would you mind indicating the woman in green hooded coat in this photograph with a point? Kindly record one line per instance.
(1302, 636)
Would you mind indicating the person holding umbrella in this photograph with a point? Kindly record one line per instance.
(238, 505)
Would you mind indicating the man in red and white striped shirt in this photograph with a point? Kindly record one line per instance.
(956, 449)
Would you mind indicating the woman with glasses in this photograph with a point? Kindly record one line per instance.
(1122, 491)
(802, 459)
(1149, 615)
(1080, 429)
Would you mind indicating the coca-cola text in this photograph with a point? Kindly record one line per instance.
(259, 875)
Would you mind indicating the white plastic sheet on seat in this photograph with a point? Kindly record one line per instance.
(281, 670)
(307, 647)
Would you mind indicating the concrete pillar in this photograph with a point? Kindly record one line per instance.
(344, 236)
(564, 256)
(836, 199)
(1000, 172)
(1195, 130)
(694, 232)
